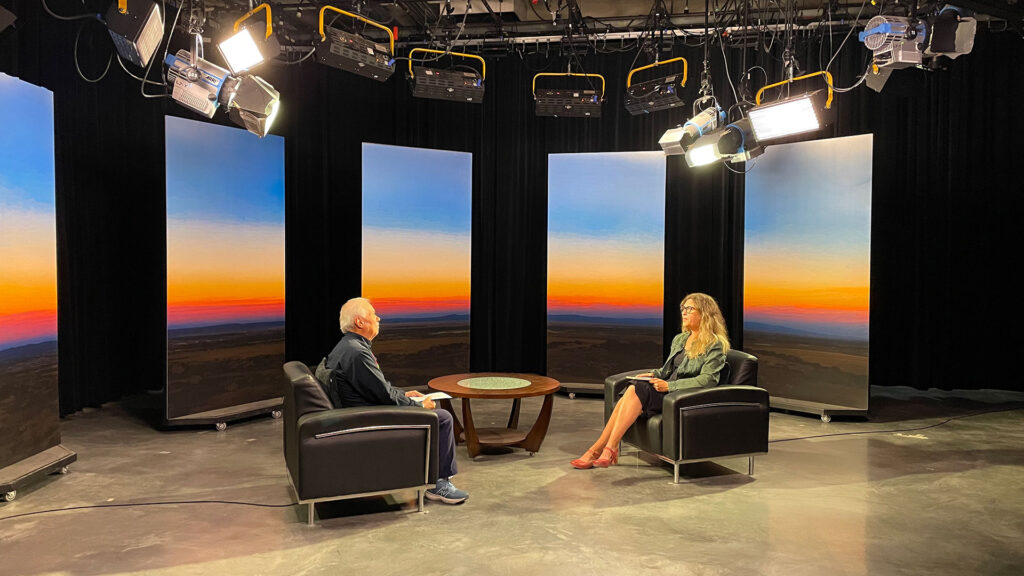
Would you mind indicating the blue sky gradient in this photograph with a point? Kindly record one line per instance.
(26, 145)
(224, 174)
(607, 194)
(417, 189)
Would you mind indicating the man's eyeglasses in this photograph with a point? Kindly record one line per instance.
(687, 309)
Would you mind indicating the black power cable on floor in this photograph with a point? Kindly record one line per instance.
(946, 421)
(256, 504)
(130, 504)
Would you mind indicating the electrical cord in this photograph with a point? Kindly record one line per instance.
(59, 17)
(133, 504)
(259, 505)
(126, 71)
(305, 57)
(78, 68)
(853, 26)
(890, 431)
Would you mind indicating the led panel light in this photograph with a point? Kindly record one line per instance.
(655, 95)
(355, 54)
(792, 116)
(246, 49)
(568, 103)
(240, 51)
(136, 33)
(441, 84)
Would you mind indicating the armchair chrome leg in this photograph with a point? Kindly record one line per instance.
(419, 500)
(675, 475)
(312, 512)
(750, 466)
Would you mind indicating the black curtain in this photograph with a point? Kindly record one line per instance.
(110, 198)
(945, 202)
(331, 113)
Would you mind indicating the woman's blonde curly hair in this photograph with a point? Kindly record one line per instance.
(712, 324)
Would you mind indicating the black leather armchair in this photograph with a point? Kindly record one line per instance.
(333, 454)
(728, 420)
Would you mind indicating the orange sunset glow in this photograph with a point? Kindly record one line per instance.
(416, 272)
(28, 275)
(598, 276)
(224, 272)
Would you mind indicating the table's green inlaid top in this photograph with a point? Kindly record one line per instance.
(494, 383)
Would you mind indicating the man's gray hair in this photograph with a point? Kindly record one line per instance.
(354, 308)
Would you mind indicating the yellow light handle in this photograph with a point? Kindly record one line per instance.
(270, 29)
(567, 74)
(828, 80)
(323, 36)
(635, 70)
(122, 6)
(483, 73)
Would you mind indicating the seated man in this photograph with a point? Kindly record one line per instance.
(355, 379)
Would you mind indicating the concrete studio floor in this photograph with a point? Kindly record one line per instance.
(947, 499)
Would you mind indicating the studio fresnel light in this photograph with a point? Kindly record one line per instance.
(732, 143)
(676, 141)
(204, 87)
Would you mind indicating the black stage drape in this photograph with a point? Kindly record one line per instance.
(944, 203)
(110, 198)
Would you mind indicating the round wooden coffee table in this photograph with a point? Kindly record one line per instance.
(495, 386)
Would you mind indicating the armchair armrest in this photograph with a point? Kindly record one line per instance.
(365, 449)
(697, 397)
(614, 385)
(706, 422)
(320, 424)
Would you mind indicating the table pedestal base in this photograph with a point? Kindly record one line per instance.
(478, 439)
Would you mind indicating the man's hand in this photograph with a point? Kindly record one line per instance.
(659, 384)
(413, 394)
(428, 403)
(645, 375)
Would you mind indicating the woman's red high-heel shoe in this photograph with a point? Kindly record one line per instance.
(606, 462)
(581, 464)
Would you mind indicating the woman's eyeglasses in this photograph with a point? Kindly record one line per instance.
(687, 309)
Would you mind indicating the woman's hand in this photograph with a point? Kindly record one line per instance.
(645, 375)
(659, 384)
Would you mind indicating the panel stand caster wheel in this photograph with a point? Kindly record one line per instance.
(572, 395)
(826, 418)
(10, 496)
(63, 470)
(276, 414)
(221, 426)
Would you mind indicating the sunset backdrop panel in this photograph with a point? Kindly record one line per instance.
(606, 229)
(807, 250)
(417, 231)
(28, 230)
(225, 225)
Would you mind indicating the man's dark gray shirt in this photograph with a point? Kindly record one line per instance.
(356, 379)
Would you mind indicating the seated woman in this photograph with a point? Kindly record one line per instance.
(694, 361)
